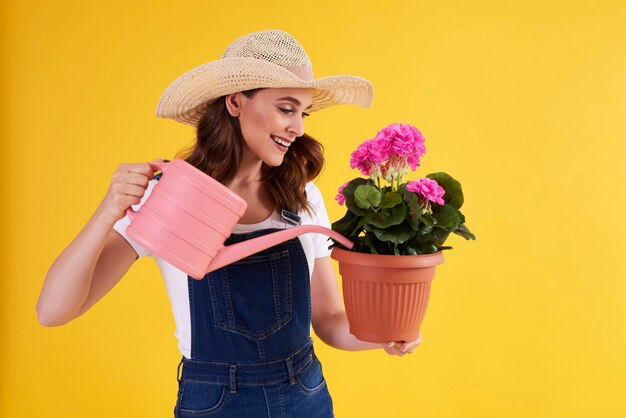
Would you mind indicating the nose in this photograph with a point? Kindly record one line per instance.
(297, 126)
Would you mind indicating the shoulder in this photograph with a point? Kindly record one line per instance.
(313, 194)
(316, 202)
(312, 190)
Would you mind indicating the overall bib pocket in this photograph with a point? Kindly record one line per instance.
(252, 297)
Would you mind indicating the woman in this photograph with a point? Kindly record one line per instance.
(243, 330)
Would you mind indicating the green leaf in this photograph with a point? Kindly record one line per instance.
(447, 216)
(464, 232)
(368, 242)
(367, 196)
(439, 236)
(348, 192)
(357, 229)
(396, 234)
(414, 211)
(427, 229)
(454, 193)
(390, 199)
(409, 250)
(428, 219)
(386, 217)
(429, 249)
(347, 224)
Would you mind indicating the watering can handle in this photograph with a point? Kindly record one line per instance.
(156, 166)
(235, 252)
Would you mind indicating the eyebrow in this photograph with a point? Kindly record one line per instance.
(293, 100)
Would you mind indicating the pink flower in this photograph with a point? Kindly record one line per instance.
(340, 197)
(368, 157)
(359, 161)
(402, 140)
(392, 150)
(427, 188)
(413, 160)
(383, 145)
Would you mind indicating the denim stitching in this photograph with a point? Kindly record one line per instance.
(309, 363)
(267, 402)
(282, 256)
(224, 382)
(289, 287)
(276, 292)
(281, 394)
(311, 391)
(179, 398)
(194, 343)
(308, 282)
(211, 282)
(260, 345)
(207, 411)
(228, 302)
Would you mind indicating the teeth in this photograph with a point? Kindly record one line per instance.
(280, 141)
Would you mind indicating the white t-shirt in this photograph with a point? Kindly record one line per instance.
(314, 245)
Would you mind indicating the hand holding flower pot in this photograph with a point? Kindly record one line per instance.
(386, 296)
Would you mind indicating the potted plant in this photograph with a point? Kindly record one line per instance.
(399, 229)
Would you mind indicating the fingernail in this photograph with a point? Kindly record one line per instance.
(390, 344)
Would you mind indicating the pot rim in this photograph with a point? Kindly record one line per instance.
(385, 260)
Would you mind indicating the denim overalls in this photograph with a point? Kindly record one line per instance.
(251, 352)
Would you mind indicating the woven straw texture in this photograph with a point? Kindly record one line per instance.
(272, 59)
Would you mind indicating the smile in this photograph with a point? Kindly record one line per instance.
(281, 141)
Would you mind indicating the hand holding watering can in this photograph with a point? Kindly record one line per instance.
(127, 187)
(189, 215)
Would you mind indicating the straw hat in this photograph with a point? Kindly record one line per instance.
(269, 58)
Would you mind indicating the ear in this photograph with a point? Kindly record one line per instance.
(233, 104)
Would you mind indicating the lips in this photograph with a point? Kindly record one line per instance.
(281, 141)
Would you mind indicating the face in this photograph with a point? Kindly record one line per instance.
(270, 121)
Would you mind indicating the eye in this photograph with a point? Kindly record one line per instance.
(289, 112)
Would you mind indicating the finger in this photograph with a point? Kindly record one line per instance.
(401, 346)
(393, 349)
(132, 190)
(137, 179)
(410, 347)
(143, 168)
(393, 352)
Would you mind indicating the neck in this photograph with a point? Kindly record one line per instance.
(249, 171)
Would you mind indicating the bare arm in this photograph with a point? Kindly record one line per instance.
(329, 317)
(96, 260)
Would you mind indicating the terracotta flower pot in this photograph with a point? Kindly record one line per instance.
(386, 295)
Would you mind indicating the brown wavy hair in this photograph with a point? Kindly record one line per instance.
(218, 149)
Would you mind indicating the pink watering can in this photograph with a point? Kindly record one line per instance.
(189, 215)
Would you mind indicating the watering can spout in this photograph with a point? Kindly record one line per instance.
(231, 253)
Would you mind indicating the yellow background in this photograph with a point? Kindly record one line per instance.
(523, 102)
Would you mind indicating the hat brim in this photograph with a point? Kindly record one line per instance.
(182, 100)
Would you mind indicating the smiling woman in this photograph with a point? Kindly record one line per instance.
(244, 329)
